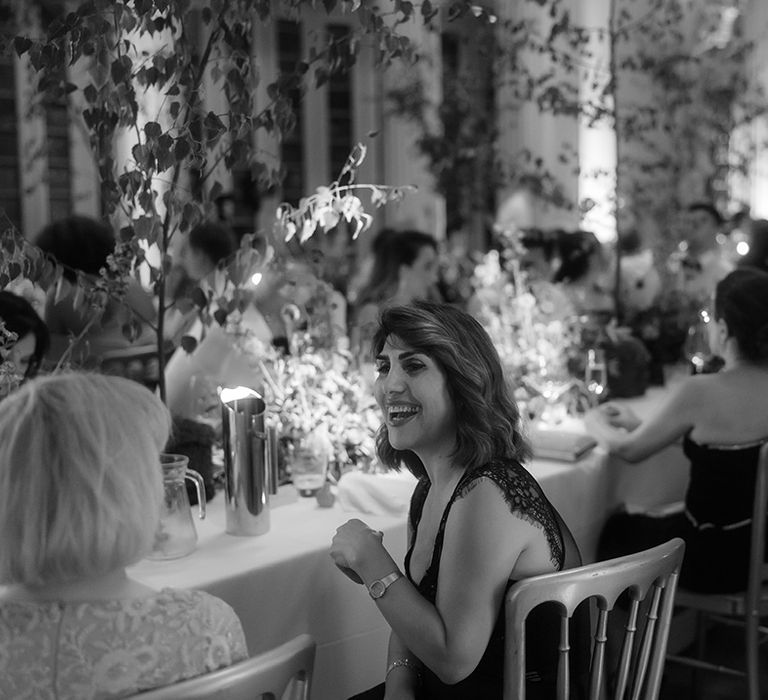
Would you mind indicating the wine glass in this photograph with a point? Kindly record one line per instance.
(696, 347)
(595, 375)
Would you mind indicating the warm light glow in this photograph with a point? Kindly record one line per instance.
(742, 247)
(237, 393)
(256, 278)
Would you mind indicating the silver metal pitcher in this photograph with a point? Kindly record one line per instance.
(247, 463)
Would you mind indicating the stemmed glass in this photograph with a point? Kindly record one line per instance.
(696, 347)
(552, 384)
(595, 375)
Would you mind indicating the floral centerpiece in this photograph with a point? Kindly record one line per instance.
(533, 327)
(316, 391)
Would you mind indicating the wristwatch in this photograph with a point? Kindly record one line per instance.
(379, 587)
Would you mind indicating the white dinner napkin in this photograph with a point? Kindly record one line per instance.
(376, 494)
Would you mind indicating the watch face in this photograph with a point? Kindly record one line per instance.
(377, 589)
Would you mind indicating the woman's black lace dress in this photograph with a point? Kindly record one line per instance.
(526, 500)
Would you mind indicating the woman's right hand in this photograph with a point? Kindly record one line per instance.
(619, 416)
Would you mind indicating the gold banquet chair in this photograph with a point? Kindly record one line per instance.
(650, 576)
(267, 676)
(739, 609)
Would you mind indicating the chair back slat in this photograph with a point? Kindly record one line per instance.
(563, 660)
(597, 665)
(266, 676)
(627, 649)
(646, 643)
(650, 575)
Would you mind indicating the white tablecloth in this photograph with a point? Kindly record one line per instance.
(284, 583)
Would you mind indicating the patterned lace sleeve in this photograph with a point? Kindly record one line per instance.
(226, 632)
(525, 499)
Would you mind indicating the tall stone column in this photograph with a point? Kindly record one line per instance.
(401, 162)
(527, 128)
(596, 138)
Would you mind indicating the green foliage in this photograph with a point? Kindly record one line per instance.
(107, 57)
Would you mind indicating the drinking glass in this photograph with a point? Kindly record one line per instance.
(595, 375)
(696, 347)
(308, 460)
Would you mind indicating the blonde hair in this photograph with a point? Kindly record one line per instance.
(80, 479)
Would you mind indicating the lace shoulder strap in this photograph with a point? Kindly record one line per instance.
(526, 500)
(417, 501)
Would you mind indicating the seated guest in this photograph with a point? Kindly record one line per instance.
(584, 272)
(723, 421)
(208, 245)
(80, 497)
(27, 350)
(404, 269)
(478, 520)
(81, 245)
(706, 261)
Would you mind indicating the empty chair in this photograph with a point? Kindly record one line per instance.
(649, 576)
(264, 676)
(743, 609)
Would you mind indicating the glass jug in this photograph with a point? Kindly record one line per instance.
(176, 535)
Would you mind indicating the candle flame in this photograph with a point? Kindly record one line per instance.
(236, 393)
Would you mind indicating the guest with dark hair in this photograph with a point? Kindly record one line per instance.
(81, 489)
(78, 243)
(478, 520)
(208, 244)
(584, 272)
(404, 269)
(540, 253)
(32, 341)
(81, 246)
(705, 261)
(722, 419)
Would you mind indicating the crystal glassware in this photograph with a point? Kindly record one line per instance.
(595, 375)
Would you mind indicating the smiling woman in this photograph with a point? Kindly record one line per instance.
(478, 520)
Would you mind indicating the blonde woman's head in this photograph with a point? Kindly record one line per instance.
(80, 481)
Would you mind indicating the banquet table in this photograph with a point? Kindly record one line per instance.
(284, 583)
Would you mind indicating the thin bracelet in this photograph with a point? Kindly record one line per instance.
(406, 663)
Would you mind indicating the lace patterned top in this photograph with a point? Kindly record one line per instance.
(113, 649)
(526, 500)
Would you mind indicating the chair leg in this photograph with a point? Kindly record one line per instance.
(701, 649)
(751, 642)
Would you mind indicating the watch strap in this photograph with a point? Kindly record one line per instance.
(379, 587)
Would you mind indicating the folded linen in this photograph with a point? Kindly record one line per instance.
(376, 494)
(561, 445)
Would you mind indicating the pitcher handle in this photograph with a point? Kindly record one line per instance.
(194, 476)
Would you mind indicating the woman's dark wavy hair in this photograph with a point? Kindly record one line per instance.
(20, 318)
(488, 422)
(741, 300)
